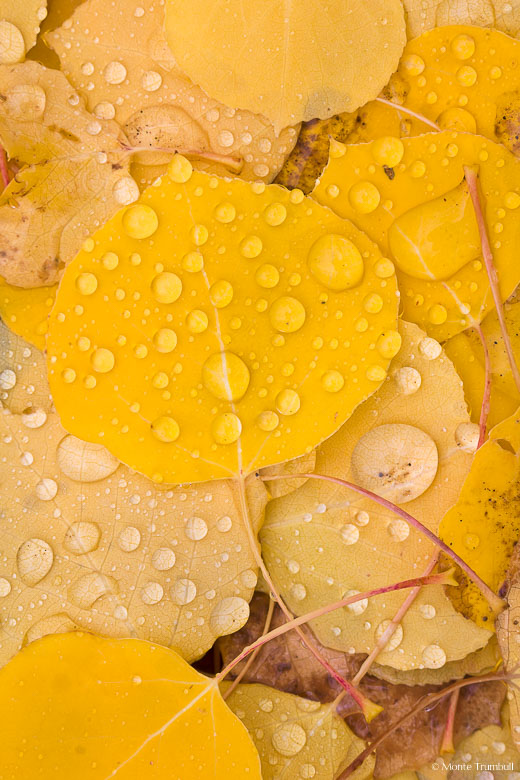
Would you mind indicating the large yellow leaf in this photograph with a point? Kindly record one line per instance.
(219, 326)
(78, 174)
(86, 542)
(85, 707)
(19, 25)
(484, 525)
(295, 737)
(116, 56)
(289, 61)
(409, 195)
(423, 15)
(466, 352)
(410, 443)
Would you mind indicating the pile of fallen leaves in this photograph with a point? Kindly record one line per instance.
(259, 458)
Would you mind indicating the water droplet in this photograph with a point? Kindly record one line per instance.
(7, 379)
(82, 537)
(336, 262)
(115, 72)
(104, 110)
(165, 429)
(287, 314)
(129, 538)
(463, 47)
(267, 276)
(140, 221)
(399, 530)
(86, 284)
(471, 541)
(428, 611)
(437, 314)
(413, 64)
(512, 200)
(433, 657)
(226, 376)
(287, 402)
(88, 589)
(151, 80)
(34, 560)
(349, 533)
(163, 559)
(225, 213)
(373, 303)
(126, 191)
(407, 379)
(251, 246)
(183, 591)
(46, 489)
(102, 360)
(430, 348)
(466, 76)
(229, 615)
(226, 138)
(332, 381)
(307, 771)
(388, 151)
(152, 593)
(12, 45)
(396, 638)
(195, 528)
(288, 739)
(248, 578)
(299, 591)
(266, 705)
(34, 418)
(275, 214)
(5, 587)
(83, 461)
(359, 606)
(165, 340)
(226, 428)
(467, 436)
(364, 197)
(24, 101)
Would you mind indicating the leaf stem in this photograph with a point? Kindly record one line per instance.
(4, 170)
(250, 660)
(472, 180)
(447, 745)
(234, 164)
(495, 602)
(486, 397)
(408, 111)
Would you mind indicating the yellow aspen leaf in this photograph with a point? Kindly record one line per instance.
(296, 737)
(322, 542)
(25, 311)
(297, 62)
(77, 175)
(466, 352)
(492, 745)
(19, 25)
(58, 11)
(484, 525)
(423, 15)
(410, 196)
(226, 326)
(134, 79)
(23, 375)
(507, 634)
(95, 708)
(302, 465)
(90, 544)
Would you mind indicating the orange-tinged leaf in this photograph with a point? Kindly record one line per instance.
(224, 326)
(323, 542)
(88, 543)
(409, 195)
(296, 737)
(85, 707)
(298, 61)
(77, 175)
(484, 526)
(25, 312)
(23, 375)
(19, 26)
(134, 78)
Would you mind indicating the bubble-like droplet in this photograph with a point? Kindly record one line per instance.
(5, 587)
(24, 101)
(195, 528)
(396, 638)
(46, 489)
(34, 560)
(82, 537)
(428, 611)
(221, 293)
(152, 593)
(163, 559)
(299, 591)
(251, 246)
(115, 72)
(193, 262)
(413, 65)
(336, 262)
(399, 530)
(387, 151)
(389, 344)
(332, 381)
(287, 314)
(197, 321)
(433, 657)
(83, 461)
(364, 197)
(430, 348)
(84, 592)
(165, 429)
(287, 402)
(226, 428)
(86, 284)
(288, 739)
(349, 533)
(467, 436)
(512, 200)
(267, 276)
(165, 340)
(358, 607)
(225, 213)
(151, 80)
(275, 214)
(471, 541)
(248, 578)
(457, 119)
(34, 418)
(7, 379)
(129, 538)
(466, 76)
(224, 524)
(183, 591)
(229, 615)
(463, 47)
(267, 421)
(226, 376)
(140, 221)
(12, 45)
(407, 379)
(180, 169)
(166, 287)
(102, 360)
(307, 771)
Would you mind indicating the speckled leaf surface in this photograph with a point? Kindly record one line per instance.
(23, 375)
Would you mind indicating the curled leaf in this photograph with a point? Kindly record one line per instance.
(90, 544)
(323, 542)
(223, 326)
(409, 195)
(152, 712)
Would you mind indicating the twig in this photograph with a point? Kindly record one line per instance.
(486, 397)
(447, 745)
(408, 111)
(4, 170)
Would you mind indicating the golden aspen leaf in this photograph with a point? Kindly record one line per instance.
(226, 326)
(134, 79)
(322, 542)
(88, 543)
(491, 746)
(19, 25)
(484, 525)
(507, 634)
(467, 354)
(296, 737)
(423, 15)
(95, 708)
(78, 174)
(409, 195)
(23, 375)
(25, 311)
(58, 11)
(302, 465)
(296, 61)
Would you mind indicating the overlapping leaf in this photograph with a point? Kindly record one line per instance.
(88, 543)
(218, 326)
(411, 443)
(25, 311)
(423, 15)
(96, 708)
(77, 175)
(409, 195)
(117, 57)
(23, 375)
(19, 26)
